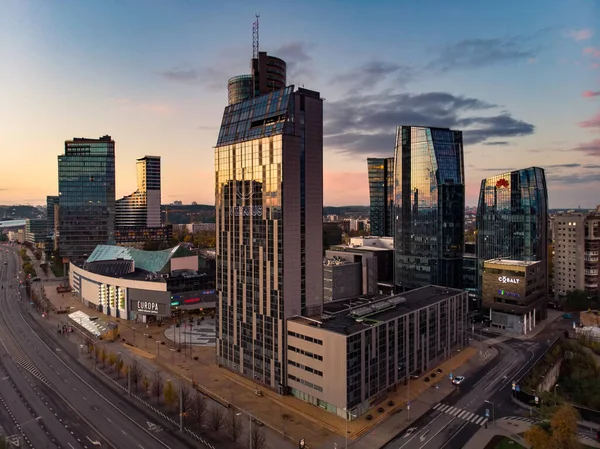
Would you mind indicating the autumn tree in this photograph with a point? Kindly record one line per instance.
(257, 437)
(198, 409)
(170, 394)
(112, 359)
(146, 384)
(537, 437)
(561, 434)
(103, 356)
(157, 385)
(119, 366)
(233, 425)
(216, 418)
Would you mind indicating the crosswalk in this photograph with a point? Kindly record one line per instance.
(461, 414)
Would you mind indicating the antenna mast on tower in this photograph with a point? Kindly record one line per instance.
(255, 37)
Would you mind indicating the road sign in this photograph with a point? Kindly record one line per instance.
(450, 376)
(487, 412)
(301, 443)
(14, 440)
(514, 386)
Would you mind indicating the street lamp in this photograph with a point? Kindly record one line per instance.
(249, 428)
(173, 351)
(555, 388)
(493, 411)
(347, 414)
(157, 348)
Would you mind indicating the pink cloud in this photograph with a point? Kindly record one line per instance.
(591, 93)
(580, 35)
(343, 188)
(161, 109)
(594, 122)
(591, 148)
(592, 51)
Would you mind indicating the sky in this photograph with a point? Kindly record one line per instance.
(520, 78)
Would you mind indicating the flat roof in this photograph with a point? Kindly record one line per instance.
(514, 263)
(349, 316)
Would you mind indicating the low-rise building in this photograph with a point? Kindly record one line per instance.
(348, 274)
(358, 350)
(515, 293)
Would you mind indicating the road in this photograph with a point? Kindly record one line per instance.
(56, 401)
(452, 422)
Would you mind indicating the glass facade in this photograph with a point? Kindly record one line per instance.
(429, 207)
(86, 190)
(240, 88)
(142, 207)
(263, 259)
(512, 218)
(381, 192)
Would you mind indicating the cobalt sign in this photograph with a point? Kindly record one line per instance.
(506, 280)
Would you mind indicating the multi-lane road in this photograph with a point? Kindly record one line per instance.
(486, 391)
(47, 399)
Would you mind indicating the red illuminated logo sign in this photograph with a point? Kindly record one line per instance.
(502, 183)
(191, 300)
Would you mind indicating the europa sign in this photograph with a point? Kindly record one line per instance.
(147, 307)
(507, 280)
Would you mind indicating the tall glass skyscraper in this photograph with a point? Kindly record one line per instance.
(429, 207)
(86, 190)
(142, 207)
(512, 218)
(381, 192)
(269, 220)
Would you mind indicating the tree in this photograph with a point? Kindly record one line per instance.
(170, 394)
(198, 409)
(537, 437)
(257, 437)
(234, 425)
(112, 359)
(119, 366)
(186, 399)
(157, 385)
(564, 427)
(103, 356)
(216, 418)
(146, 384)
(135, 374)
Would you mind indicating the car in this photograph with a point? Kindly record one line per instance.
(567, 316)
(458, 380)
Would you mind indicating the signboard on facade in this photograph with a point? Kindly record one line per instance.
(507, 280)
(147, 307)
(246, 211)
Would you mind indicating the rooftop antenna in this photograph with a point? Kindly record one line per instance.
(255, 37)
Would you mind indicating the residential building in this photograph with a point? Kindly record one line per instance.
(381, 193)
(36, 232)
(269, 206)
(86, 190)
(348, 358)
(515, 293)
(576, 252)
(141, 209)
(429, 207)
(512, 221)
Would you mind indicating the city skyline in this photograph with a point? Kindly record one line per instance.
(526, 97)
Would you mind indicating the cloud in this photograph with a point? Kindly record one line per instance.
(591, 93)
(182, 75)
(580, 35)
(365, 124)
(339, 186)
(498, 143)
(372, 73)
(575, 178)
(591, 148)
(594, 122)
(592, 51)
(477, 53)
(497, 170)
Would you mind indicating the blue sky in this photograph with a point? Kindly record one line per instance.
(521, 78)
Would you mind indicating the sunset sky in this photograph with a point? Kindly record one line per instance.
(520, 78)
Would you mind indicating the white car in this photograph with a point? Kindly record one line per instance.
(458, 380)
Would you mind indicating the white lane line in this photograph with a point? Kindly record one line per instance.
(438, 405)
(455, 412)
(443, 408)
(462, 414)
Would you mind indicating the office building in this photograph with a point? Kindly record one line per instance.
(515, 293)
(86, 190)
(576, 253)
(348, 273)
(429, 207)
(269, 220)
(142, 207)
(268, 75)
(357, 351)
(470, 273)
(512, 222)
(36, 232)
(381, 193)
(51, 224)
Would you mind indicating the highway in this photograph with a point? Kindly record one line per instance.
(452, 422)
(55, 401)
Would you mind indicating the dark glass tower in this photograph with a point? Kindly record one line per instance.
(429, 207)
(381, 192)
(269, 220)
(512, 218)
(86, 190)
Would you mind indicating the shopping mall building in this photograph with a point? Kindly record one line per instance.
(146, 286)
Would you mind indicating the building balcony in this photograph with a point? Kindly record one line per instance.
(591, 253)
(590, 258)
(591, 272)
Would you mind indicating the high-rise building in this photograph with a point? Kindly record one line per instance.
(51, 203)
(512, 220)
(269, 220)
(86, 190)
(576, 252)
(268, 75)
(381, 192)
(35, 232)
(429, 207)
(142, 207)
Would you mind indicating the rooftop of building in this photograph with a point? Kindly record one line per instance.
(148, 261)
(512, 263)
(349, 316)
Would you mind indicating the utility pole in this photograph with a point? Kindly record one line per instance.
(180, 406)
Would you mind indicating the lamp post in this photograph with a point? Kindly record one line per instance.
(145, 338)
(493, 411)
(249, 428)
(408, 392)
(173, 351)
(133, 329)
(346, 415)
(157, 348)
(555, 388)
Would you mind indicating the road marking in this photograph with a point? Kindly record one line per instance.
(124, 433)
(108, 419)
(70, 446)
